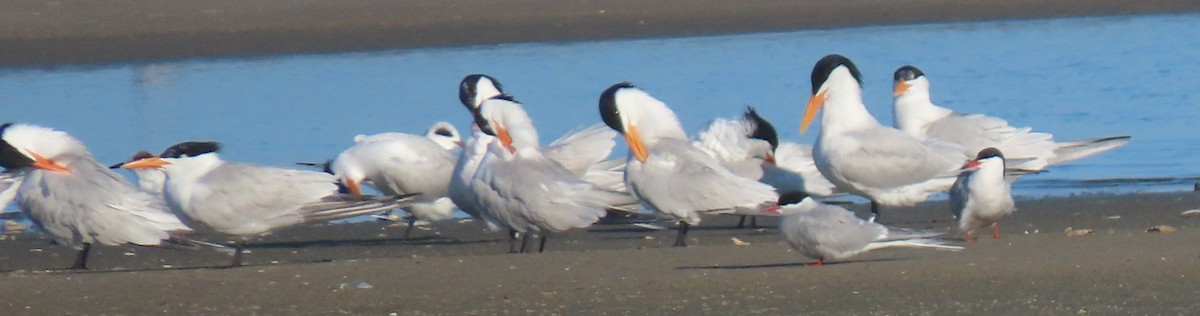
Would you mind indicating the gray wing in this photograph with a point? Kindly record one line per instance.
(959, 193)
(242, 199)
(409, 165)
(680, 180)
(829, 232)
(974, 132)
(884, 158)
(579, 150)
(93, 204)
(536, 194)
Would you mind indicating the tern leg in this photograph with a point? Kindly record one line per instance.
(996, 231)
(238, 247)
(742, 221)
(820, 263)
(874, 211)
(681, 238)
(542, 246)
(81, 259)
(525, 242)
(411, 220)
(512, 241)
(968, 238)
(753, 221)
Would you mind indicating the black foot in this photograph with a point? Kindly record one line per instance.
(81, 259)
(681, 238)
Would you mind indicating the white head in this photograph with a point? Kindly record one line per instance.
(445, 135)
(149, 179)
(505, 118)
(641, 118)
(349, 171)
(910, 82)
(836, 80)
(31, 146)
(186, 158)
(989, 161)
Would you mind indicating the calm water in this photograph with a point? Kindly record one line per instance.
(1075, 78)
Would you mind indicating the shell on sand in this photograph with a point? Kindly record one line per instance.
(739, 242)
(1071, 232)
(1190, 213)
(1161, 229)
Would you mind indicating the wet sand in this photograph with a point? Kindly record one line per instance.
(41, 33)
(458, 268)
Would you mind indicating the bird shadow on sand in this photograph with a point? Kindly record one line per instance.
(776, 265)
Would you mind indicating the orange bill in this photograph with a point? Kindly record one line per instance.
(146, 163)
(505, 138)
(43, 163)
(353, 187)
(900, 88)
(971, 165)
(635, 143)
(770, 158)
(814, 105)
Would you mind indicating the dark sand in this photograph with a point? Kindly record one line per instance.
(456, 268)
(41, 33)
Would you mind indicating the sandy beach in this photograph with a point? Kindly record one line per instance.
(39, 33)
(458, 267)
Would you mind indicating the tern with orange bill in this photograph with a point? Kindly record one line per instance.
(401, 164)
(76, 200)
(916, 115)
(667, 172)
(521, 189)
(981, 196)
(866, 158)
(247, 200)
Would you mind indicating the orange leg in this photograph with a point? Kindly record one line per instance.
(820, 263)
(968, 237)
(996, 231)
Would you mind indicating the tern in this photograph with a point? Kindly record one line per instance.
(10, 180)
(399, 164)
(148, 179)
(981, 196)
(750, 147)
(75, 199)
(247, 200)
(582, 151)
(866, 158)
(667, 172)
(829, 232)
(916, 115)
(519, 188)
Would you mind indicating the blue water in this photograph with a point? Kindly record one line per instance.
(1076, 78)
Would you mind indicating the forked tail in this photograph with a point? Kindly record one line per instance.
(913, 243)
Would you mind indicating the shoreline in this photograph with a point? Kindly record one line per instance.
(40, 34)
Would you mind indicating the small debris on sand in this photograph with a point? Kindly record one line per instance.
(1071, 232)
(739, 242)
(1161, 229)
(1190, 213)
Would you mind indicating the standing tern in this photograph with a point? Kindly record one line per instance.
(667, 172)
(583, 151)
(520, 188)
(400, 164)
(916, 115)
(248, 200)
(829, 232)
(981, 196)
(75, 199)
(576, 150)
(750, 147)
(866, 158)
